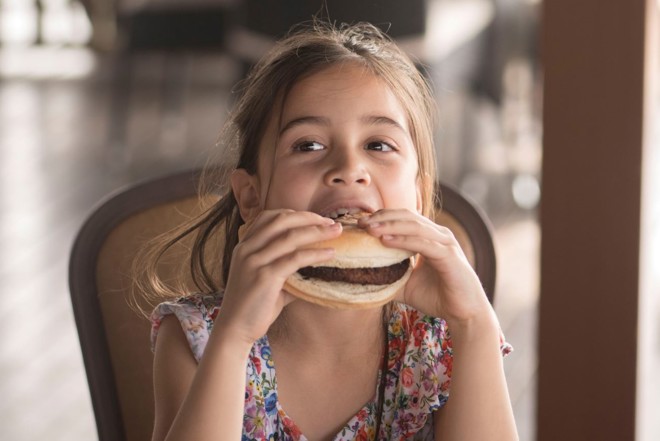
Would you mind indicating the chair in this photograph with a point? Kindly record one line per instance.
(115, 339)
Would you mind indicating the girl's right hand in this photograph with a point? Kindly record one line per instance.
(272, 248)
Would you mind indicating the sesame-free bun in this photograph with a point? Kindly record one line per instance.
(342, 295)
(354, 248)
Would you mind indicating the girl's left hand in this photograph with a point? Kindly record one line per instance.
(443, 283)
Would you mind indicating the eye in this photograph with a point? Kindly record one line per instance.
(380, 146)
(308, 146)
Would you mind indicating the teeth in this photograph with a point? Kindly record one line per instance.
(343, 212)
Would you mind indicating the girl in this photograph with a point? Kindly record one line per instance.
(331, 119)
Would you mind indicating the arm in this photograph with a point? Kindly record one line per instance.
(479, 406)
(197, 402)
(174, 369)
(201, 401)
(444, 284)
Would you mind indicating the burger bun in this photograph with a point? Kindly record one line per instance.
(354, 248)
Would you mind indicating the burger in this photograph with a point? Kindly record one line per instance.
(363, 274)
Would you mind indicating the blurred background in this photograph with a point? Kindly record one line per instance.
(99, 94)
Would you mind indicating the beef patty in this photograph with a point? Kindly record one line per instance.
(385, 275)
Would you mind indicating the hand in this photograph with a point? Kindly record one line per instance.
(443, 283)
(272, 248)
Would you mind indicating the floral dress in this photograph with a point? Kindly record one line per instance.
(419, 362)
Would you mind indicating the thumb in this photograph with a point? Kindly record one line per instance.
(287, 298)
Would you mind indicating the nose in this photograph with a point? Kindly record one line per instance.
(347, 168)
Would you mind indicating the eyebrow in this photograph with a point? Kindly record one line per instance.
(322, 121)
(382, 120)
(315, 120)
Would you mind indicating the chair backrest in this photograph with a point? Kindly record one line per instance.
(114, 338)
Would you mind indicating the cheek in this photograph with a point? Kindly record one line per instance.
(403, 190)
(287, 189)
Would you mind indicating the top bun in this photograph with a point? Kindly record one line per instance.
(356, 248)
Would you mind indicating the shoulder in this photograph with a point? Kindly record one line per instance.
(195, 313)
(415, 329)
(420, 346)
(421, 354)
(419, 370)
(204, 304)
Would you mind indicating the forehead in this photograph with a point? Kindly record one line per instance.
(350, 86)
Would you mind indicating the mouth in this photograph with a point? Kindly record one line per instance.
(340, 212)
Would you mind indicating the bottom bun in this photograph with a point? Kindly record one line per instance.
(341, 295)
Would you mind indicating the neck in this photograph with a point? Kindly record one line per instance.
(328, 332)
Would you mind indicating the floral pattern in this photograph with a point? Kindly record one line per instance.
(416, 382)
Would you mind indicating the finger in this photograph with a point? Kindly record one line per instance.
(389, 214)
(283, 218)
(271, 223)
(287, 298)
(277, 271)
(286, 242)
(432, 250)
(412, 226)
(411, 231)
(393, 217)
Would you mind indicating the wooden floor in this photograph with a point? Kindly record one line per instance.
(67, 139)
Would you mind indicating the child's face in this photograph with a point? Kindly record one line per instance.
(341, 142)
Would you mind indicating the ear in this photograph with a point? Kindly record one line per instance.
(246, 191)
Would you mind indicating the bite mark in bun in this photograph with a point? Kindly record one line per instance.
(363, 274)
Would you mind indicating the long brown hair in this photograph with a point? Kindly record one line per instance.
(306, 50)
